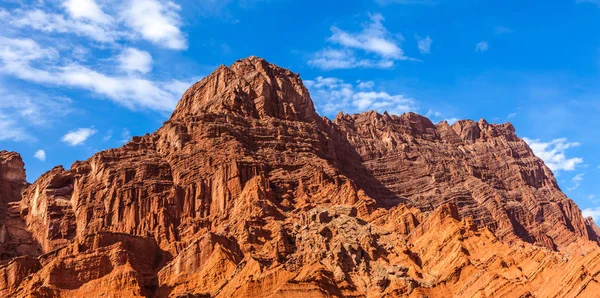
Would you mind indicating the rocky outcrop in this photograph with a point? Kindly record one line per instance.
(102, 264)
(15, 239)
(246, 192)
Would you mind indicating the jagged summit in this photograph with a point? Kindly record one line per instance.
(253, 87)
(461, 131)
(250, 87)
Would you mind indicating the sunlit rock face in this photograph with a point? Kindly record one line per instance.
(247, 192)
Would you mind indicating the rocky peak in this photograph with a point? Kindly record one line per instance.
(470, 131)
(250, 87)
(12, 176)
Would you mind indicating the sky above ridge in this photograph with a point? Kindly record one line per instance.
(79, 76)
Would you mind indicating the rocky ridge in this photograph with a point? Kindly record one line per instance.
(247, 192)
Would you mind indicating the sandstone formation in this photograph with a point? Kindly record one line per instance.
(247, 192)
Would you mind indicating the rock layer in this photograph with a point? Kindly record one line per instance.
(247, 192)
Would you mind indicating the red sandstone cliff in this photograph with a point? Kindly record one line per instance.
(246, 192)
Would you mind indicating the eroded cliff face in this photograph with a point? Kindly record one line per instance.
(246, 192)
(485, 169)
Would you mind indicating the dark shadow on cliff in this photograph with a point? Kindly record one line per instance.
(350, 163)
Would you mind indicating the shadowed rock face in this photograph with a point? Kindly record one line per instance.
(246, 192)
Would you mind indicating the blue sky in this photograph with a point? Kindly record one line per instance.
(79, 76)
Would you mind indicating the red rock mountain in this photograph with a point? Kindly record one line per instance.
(247, 192)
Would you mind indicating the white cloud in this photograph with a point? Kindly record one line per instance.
(332, 95)
(576, 181)
(57, 23)
(40, 154)
(343, 59)
(481, 46)
(23, 50)
(127, 91)
(365, 85)
(553, 153)
(436, 116)
(374, 38)
(78, 136)
(157, 22)
(511, 115)
(451, 120)
(18, 55)
(380, 47)
(592, 212)
(431, 113)
(424, 45)
(131, 60)
(86, 9)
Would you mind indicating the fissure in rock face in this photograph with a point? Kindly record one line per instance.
(247, 192)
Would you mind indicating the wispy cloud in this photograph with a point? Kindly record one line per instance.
(11, 130)
(125, 135)
(576, 181)
(35, 108)
(499, 30)
(482, 46)
(343, 59)
(333, 94)
(27, 60)
(553, 153)
(49, 22)
(597, 2)
(23, 110)
(107, 136)
(373, 47)
(424, 45)
(78, 136)
(431, 113)
(155, 21)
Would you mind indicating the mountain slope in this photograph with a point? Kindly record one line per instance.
(247, 192)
